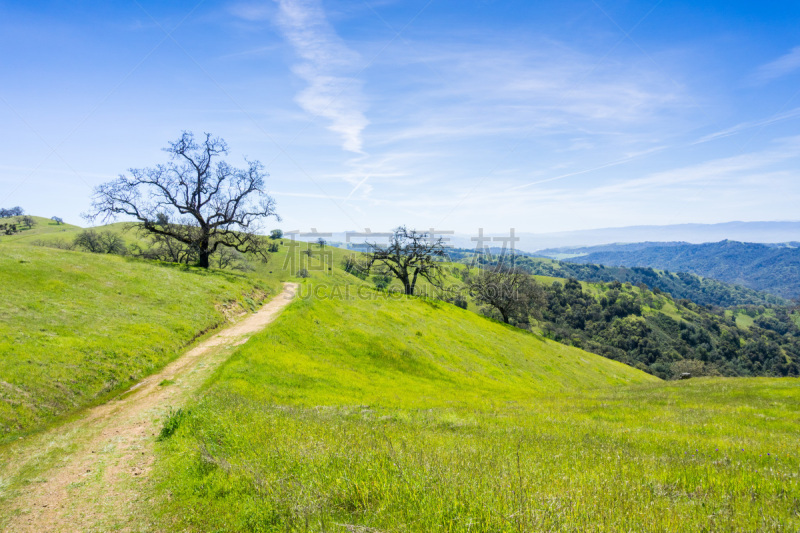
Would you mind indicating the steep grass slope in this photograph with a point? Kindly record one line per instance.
(428, 353)
(75, 326)
(403, 415)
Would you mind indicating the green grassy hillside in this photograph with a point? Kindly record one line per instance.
(43, 227)
(365, 411)
(354, 349)
(403, 415)
(76, 326)
(705, 455)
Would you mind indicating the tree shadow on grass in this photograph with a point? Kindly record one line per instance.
(198, 271)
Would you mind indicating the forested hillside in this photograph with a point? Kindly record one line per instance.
(667, 337)
(764, 267)
(703, 291)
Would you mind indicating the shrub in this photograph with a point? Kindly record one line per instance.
(695, 367)
(381, 281)
(352, 265)
(104, 242)
(56, 243)
(233, 259)
(8, 229)
(172, 422)
(459, 301)
(166, 248)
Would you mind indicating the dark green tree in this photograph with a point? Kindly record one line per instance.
(511, 291)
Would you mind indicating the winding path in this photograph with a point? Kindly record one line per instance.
(90, 474)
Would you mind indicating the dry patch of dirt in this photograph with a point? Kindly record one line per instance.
(88, 474)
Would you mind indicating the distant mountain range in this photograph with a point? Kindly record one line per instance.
(773, 268)
(758, 232)
(762, 232)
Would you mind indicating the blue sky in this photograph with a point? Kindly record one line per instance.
(542, 116)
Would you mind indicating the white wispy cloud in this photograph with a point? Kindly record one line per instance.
(626, 159)
(524, 131)
(329, 67)
(738, 128)
(544, 87)
(786, 64)
(495, 104)
(759, 178)
(386, 168)
(710, 172)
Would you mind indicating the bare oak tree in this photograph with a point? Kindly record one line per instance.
(509, 290)
(193, 199)
(409, 255)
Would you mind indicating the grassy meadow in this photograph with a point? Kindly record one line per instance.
(365, 411)
(401, 414)
(75, 326)
(42, 228)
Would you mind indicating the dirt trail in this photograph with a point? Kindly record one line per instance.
(89, 474)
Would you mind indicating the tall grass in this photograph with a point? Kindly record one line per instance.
(77, 326)
(411, 416)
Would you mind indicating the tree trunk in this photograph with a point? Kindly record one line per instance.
(407, 285)
(202, 260)
(204, 254)
(410, 290)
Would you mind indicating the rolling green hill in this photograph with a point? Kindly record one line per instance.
(650, 329)
(77, 326)
(681, 285)
(360, 410)
(771, 268)
(48, 233)
(42, 227)
(654, 331)
(402, 414)
(434, 350)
